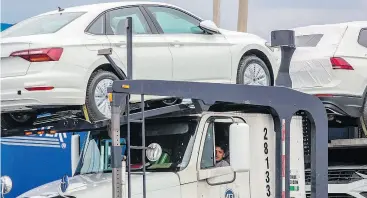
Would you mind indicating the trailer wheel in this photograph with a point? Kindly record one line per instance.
(253, 71)
(96, 101)
(12, 120)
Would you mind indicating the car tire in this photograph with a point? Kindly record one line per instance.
(363, 119)
(171, 101)
(101, 79)
(258, 67)
(13, 120)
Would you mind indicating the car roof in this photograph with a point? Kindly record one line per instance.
(358, 24)
(99, 7)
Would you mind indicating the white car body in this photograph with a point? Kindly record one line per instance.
(183, 57)
(344, 181)
(330, 62)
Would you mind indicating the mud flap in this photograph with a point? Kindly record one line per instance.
(85, 113)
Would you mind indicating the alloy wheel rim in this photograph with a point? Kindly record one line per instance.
(101, 97)
(255, 75)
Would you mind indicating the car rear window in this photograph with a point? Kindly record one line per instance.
(362, 38)
(45, 24)
(310, 40)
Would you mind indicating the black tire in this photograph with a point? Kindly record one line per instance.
(97, 76)
(171, 101)
(9, 121)
(245, 62)
(362, 122)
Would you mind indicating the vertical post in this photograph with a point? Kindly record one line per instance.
(116, 147)
(216, 12)
(128, 146)
(129, 46)
(286, 157)
(278, 155)
(283, 78)
(285, 40)
(242, 15)
(143, 143)
(283, 158)
(319, 156)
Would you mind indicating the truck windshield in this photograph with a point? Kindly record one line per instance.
(174, 135)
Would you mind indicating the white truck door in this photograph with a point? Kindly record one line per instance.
(213, 181)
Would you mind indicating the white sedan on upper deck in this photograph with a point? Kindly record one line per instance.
(50, 60)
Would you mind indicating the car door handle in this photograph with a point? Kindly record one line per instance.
(120, 44)
(176, 44)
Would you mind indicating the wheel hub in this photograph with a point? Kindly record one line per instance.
(20, 117)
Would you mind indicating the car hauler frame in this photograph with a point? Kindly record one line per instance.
(283, 103)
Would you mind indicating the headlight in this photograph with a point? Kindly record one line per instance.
(5, 185)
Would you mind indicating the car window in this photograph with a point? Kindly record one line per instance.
(98, 26)
(310, 40)
(362, 38)
(115, 23)
(173, 21)
(45, 24)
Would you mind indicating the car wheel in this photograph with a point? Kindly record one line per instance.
(171, 101)
(97, 103)
(253, 71)
(12, 120)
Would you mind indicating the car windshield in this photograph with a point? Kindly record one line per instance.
(174, 135)
(44, 24)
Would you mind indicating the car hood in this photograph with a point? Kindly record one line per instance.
(99, 185)
(241, 34)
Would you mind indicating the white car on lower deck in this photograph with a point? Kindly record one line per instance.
(347, 172)
(50, 61)
(344, 182)
(331, 62)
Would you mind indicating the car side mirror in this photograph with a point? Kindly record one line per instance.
(239, 147)
(209, 26)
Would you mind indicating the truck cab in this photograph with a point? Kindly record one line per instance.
(187, 166)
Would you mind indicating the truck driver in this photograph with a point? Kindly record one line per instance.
(220, 155)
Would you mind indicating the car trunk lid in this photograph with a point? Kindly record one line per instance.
(12, 50)
(13, 66)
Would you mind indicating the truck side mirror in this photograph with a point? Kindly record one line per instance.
(239, 147)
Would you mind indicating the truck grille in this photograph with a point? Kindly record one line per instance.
(340, 176)
(335, 195)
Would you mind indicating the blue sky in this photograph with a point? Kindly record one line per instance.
(264, 15)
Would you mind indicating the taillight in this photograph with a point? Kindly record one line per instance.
(340, 63)
(39, 55)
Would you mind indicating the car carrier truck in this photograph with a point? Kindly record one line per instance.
(257, 127)
(184, 164)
